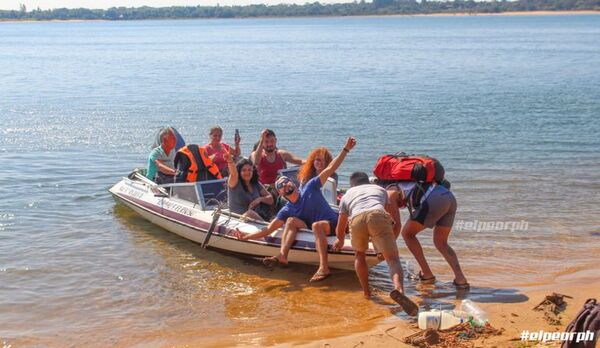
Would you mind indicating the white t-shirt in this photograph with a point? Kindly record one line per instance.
(362, 198)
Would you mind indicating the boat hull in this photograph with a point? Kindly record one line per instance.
(190, 222)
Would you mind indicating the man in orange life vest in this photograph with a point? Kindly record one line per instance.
(268, 159)
(193, 164)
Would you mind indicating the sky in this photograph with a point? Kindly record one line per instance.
(104, 4)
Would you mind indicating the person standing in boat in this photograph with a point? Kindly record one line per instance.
(216, 149)
(268, 159)
(245, 195)
(160, 169)
(371, 216)
(305, 207)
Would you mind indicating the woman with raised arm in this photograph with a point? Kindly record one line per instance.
(244, 193)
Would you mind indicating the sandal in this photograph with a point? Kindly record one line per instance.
(409, 306)
(464, 286)
(271, 262)
(319, 276)
(426, 280)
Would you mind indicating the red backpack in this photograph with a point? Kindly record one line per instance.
(402, 167)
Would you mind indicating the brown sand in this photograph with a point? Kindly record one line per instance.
(513, 317)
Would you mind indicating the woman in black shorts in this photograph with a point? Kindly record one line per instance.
(437, 211)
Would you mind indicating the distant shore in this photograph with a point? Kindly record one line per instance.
(441, 14)
(512, 13)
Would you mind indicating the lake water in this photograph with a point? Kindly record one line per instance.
(510, 105)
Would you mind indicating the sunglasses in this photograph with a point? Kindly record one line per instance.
(281, 183)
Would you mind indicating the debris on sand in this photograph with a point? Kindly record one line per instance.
(552, 306)
(459, 336)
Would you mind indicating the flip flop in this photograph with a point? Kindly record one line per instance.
(426, 280)
(319, 276)
(271, 262)
(409, 306)
(464, 286)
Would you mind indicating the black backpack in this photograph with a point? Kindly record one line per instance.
(588, 319)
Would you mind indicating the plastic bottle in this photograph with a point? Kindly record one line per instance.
(435, 319)
(478, 315)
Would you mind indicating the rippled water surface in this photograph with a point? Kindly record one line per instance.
(509, 104)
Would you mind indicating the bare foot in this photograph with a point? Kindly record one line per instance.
(282, 259)
(461, 280)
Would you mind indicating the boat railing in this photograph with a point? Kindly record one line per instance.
(138, 174)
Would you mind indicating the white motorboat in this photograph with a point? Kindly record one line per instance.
(198, 212)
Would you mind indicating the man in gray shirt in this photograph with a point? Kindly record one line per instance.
(366, 206)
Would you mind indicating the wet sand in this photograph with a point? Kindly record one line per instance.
(512, 317)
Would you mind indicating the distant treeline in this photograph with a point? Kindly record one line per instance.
(376, 7)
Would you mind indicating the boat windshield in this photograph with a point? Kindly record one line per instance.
(211, 193)
(208, 194)
(183, 191)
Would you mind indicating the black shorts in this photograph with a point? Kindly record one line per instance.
(438, 209)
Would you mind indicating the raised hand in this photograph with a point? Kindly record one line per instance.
(227, 156)
(264, 134)
(237, 138)
(350, 143)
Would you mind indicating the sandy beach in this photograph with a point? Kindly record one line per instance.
(507, 102)
(512, 317)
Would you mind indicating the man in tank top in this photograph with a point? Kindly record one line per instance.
(268, 159)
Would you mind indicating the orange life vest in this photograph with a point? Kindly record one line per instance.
(206, 165)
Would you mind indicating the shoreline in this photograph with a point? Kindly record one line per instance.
(440, 14)
(512, 317)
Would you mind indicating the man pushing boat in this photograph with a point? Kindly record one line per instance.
(366, 208)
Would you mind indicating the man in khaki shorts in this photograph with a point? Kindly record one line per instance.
(366, 206)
